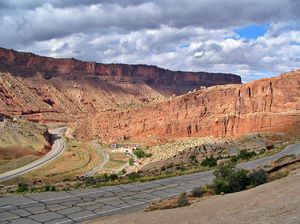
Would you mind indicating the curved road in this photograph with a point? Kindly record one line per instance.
(56, 150)
(80, 205)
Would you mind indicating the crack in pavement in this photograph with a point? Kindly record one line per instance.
(77, 206)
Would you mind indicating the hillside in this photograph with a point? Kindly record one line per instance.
(31, 84)
(267, 105)
(114, 102)
(21, 142)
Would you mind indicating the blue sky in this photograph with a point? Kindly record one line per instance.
(252, 31)
(251, 38)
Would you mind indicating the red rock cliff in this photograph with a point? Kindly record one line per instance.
(232, 110)
(162, 80)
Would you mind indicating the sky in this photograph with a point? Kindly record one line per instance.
(251, 38)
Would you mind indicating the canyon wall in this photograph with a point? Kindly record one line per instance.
(137, 102)
(232, 110)
(162, 80)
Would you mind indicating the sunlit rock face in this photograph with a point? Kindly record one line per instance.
(231, 110)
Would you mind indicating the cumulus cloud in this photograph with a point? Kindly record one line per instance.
(180, 35)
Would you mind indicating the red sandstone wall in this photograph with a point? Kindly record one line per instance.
(263, 105)
(27, 64)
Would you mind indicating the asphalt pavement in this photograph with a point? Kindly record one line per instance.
(77, 206)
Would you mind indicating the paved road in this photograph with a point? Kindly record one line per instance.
(105, 156)
(289, 150)
(56, 150)
(85, 204)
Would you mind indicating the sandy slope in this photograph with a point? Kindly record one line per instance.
(276, 202)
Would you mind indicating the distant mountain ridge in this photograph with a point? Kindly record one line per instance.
(162, 80)
(39, 86)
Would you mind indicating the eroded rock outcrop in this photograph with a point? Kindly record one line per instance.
(48, 89)
(232, 110)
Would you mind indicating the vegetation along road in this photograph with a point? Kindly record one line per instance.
(84, 204)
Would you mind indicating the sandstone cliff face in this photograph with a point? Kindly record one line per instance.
(93, 96)
(51, 89)
(160, 80)
(232, 110)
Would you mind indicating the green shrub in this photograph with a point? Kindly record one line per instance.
(258, 177)
(238, 180)
(182, 200)
(49, 188)
(230, 180)
(245, 155)
(33, 189)
(220, 185)
(234, 159)
(224, 170)
(133, 176)
(131, 161)
(113, 176)
(209, 162)
(22, 187)
(141, 153)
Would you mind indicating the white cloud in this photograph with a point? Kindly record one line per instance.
(180, 35)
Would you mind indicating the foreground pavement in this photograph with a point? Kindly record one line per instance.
(277, 202)
(85, 204)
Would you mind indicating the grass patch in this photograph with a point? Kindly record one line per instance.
(116, 160)
(7, 165)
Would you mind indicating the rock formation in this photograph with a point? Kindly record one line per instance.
(40, 86)
(117, 101)
(271, 104)
(162, 80)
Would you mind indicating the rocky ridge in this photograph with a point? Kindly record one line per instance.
(42, 86)
(267, 105)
